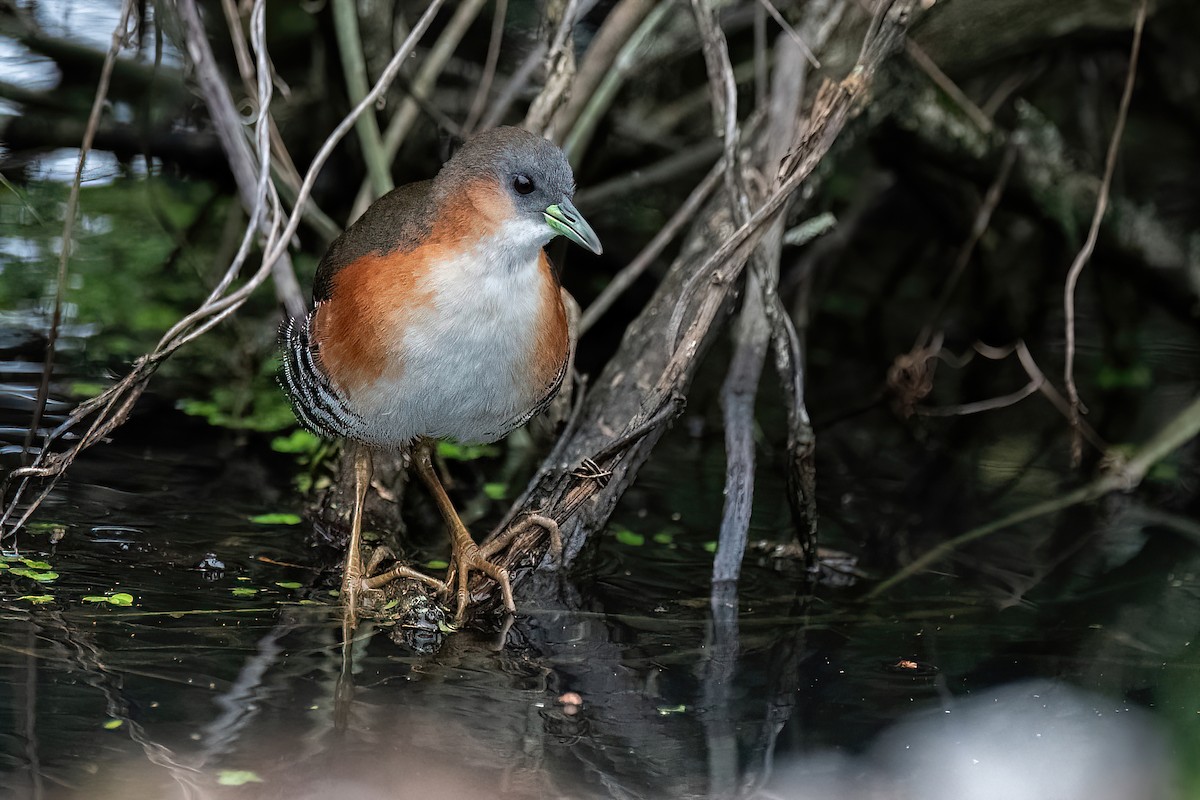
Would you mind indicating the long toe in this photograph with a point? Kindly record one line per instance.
(463, 564)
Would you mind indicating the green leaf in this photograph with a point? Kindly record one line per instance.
(94, 598)
(466, 452)
(243, 591)
(38, 599)
(113, 724)
(437, 563)
(237, 777)
(40, 577)
(668, 710)
(626, 536)
(287, 584)
(32, 564)
(87, 388)
(121, 599)
(281, 518)
(663, 538)
(298, 441)
(710, 547)
(496, 491)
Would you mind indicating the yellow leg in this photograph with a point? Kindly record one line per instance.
(352, 573)
(465, 554)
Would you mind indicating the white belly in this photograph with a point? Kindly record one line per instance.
(462, 360)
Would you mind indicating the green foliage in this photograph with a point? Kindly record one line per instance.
(288, 584)
(298, 441)
(31, 569)
(278, 518)
(113, 724)
(628, 537)
(260, 406)
(115, 599)
(466, 452)
(244, 591)
(495, 491)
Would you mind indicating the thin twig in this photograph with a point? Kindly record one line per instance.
(514, 86)
(943, 82)
(685, 161)
(631, 272)
(791, 32)
(489, 68)
(1085, 253)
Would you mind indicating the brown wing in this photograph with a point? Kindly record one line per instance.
(396, 221)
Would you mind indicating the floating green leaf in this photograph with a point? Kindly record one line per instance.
(663, 538)
(37, 575)
(32, 564)
(244, 591)
(282, 518)
(287, 584)
(116, 599)
(437, 563)
(710, 547)
(38, 599)
(668, 710)
(237, 777)
(628, 537)
(496, 491)
(113, 724)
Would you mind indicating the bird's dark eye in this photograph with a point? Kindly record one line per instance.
(522, 184)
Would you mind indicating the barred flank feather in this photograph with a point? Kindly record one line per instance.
(318, 405)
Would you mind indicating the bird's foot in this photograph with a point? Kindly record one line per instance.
(479, 558)
(373, 581)
(465, 558)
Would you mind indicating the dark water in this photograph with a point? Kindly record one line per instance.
(202, 681)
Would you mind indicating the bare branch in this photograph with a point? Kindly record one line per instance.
(1085, 253)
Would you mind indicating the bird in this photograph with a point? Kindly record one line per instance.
(438, 315)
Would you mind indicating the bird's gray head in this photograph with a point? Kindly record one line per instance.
(528, 172)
